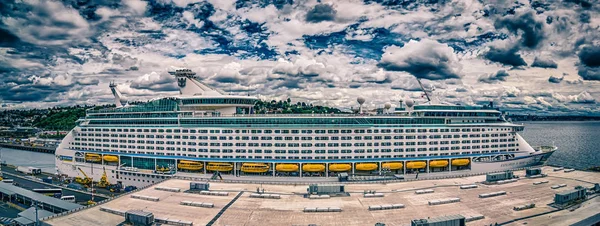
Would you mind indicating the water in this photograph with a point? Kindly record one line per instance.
(15, 157)
(578, 144)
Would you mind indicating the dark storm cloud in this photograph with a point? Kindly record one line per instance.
(589, 68)
(544, 63)
(321, 12)
(501, 75)
(583, 3)
(554, 79)
(531, 30)
(7, 38)
(507, 56)
(227, 79)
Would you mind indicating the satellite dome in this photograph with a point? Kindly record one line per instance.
(388, 105)
(360, 100)
(409, 102)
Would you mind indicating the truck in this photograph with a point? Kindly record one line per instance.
(28, 170)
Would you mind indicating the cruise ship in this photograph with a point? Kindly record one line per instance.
(203, 130)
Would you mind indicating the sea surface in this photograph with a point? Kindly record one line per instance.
(578, 142)
(578, 146)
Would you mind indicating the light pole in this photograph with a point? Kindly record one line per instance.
(35, 205)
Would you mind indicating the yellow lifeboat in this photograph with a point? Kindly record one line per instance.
(219, 166)
(460, 162)
(255, 167)
(416, 165)
(438, 163)
(284, 167)
(162, 169)
(313, 168)
(93, 157)
(110, 158)
(366, 166)
(392, 165)
(339, 167)
(189, 165)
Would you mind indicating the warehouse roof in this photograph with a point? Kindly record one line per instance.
(9, 188)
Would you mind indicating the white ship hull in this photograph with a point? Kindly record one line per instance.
(146, 177)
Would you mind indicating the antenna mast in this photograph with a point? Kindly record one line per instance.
(424, 91)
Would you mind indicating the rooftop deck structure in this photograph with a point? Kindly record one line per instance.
(289, 209)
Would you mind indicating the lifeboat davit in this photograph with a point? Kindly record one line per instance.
(438, 163)
(339, 167)
(219, 166)
(283, 167)
(313, 168)
(190, 165)
(366, 166)
(460, 162)
(110, 158)
(93, 157)
(416, 165)
(392, 165)
(255, 167)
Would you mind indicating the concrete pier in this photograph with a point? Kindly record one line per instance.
(289, 209)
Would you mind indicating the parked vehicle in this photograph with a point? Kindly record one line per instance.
(28, 170)
(68, 198)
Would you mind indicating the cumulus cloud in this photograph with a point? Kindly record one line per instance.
(47, 23)
(320, 13)
(328, 53)
(155, 82)
(543, 63)
(426, 59)
(499, 76)
(582, 98)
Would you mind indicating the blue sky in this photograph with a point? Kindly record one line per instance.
(526, 56)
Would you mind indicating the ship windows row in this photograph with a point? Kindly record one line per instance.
(328, 157)
(324, 138)
(316, 131)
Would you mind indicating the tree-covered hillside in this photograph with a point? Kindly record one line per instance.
(287, 107)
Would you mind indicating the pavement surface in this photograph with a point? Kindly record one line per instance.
(35, 182)
(289, 209)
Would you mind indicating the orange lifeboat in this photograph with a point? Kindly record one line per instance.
(366, 166)
(460, 162)
(313, 168)
(340, 167)
(392, 165)
(416, 165)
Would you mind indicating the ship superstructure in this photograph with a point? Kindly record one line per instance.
(203, 130)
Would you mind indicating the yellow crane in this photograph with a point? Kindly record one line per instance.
(103, 183)
(86, 181)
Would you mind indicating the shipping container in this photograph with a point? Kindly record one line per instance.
(138, 217)
(199, 186)
(452, 220)
(492, 177)
(325, 189)
(570, 196)
(533, 171)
